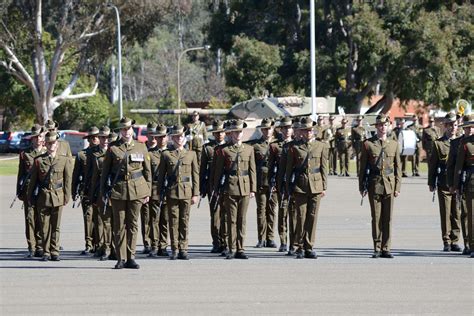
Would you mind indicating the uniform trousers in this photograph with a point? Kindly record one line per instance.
(125, 227)
(87, 213)
(267, 204)
(307, 208)
(178, 217)
(450, 217)
(381, 207)
(50, 222)
(145, 224)
(236, 207)
(32, 227)
(158, 225)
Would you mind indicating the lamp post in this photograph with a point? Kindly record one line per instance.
(313, 60)
(206, 47)
(119, 53)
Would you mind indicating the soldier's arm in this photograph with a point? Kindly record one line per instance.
(21, 172)
(67, 179)
(106, 168)
(461, 157)
(433, 165)
(33, 180)
(252, 172)
(281, 174)
(94, 179)
(203, 169)
(218, 168)
(288, 169)
(362, 166)
(450, 164)
(325, 166)
(147, 174)
(398, 170)
(271, 162)
(160, 177)
(76, 173)
(195, 173)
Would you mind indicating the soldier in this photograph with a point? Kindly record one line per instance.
(319, 128)
(64, 148)
(430, 134)
(80, 187)
(396, 136)
(237, 162)
(32, 218)
(145, 211)
(206, 177)
(450, 166)
(179, 174)
(379, 176)
(306, 180)
(358, 137)
(464, 168)
(50, 189)
(127, 164)
(267, 201)
(437, 180)
(197, 134)
(415, 163)
(158, 215)
(329, 137)
(277, 157)
(343, 144)
(106, 250)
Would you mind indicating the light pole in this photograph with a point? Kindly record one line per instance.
(313, 60)
(119, 53)
(206, 47)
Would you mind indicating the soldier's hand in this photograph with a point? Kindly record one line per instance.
(146, 200)
(363, 193)
(194, 199)
(323, 194)
(452, 190)
(431, 188)
(252, 194)
(396, 193)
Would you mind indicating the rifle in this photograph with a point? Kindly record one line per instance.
(168, 181)
(37, 187)
(462, 182)
(216, 194)
(77, 192)
(111, 184)
(296, 173)
(272, 180)
(365, 183)
(22, 184)
(438, 172)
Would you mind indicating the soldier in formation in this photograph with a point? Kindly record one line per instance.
(380, 178)
(438, 183)
(197, 135)
(429, 135)
(343, 144)
(418, 130)
(330, 137)
(25, 169)
(126, 182)
(357, 137)
(49, 190)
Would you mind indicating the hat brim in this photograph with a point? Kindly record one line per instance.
(171, 133)
(158, 134)
(91, 135)
(306, 126)
(220, 130)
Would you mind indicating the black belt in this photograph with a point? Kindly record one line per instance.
(238, 173)
(386, 172)
(185, 179)
(126, 177)
(51, 186)
(315, 170)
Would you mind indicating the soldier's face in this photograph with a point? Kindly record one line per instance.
(35, 141)
(267, 132)
(161, 140)
(104, 141)
(287, 131)
(307, 134)
(126, 133)
(236, 136)
(219, 136)
(382, 128)
(195, 117)
(151, 140)
(94, 140)
(451, 128)
(52, 146)
(178, 139)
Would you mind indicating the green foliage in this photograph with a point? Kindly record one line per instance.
(252, 69)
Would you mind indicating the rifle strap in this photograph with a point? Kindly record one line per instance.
(122, 162)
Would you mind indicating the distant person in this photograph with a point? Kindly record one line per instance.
(197, 133)
(343, 144)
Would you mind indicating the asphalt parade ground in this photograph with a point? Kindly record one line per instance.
(421, 279)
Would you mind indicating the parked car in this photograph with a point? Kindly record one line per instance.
(25, 141)
(10, 141)
(140, 133)
(75, 140)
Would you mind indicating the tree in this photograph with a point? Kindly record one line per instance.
(40, 37)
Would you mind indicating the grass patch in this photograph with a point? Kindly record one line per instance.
(9, 167)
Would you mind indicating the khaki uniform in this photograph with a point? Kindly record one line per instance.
(357, 138)
(129, 165)
(64, 149)
(267, 202)
(206, 177)
(308, 164)
(158, 216)
(198, 135)
(180, 169)
(80, 180)
(238, 164)
(415, 163)
(450, 169)
(384, 181)
(343, 144)
(329, 137)
(429, 135)
(286, 214)
(104, 220)
(51, 178)
(319, 132)
(465, 162)
(437, 177)
(32, 217)
(146, 219)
